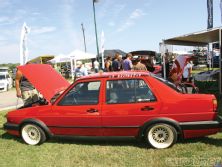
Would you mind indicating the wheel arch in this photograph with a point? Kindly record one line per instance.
(168, 121)
(38, 123)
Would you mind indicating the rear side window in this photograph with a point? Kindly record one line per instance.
(128, 91)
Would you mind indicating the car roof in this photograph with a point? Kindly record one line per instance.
(119, 74)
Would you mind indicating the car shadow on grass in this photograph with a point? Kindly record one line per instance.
(204, 140)
(90, 141)
(100, 141)
(7, 136)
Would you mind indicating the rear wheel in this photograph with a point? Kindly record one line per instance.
(32, 134)
(161, 136)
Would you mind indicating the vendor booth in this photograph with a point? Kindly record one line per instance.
(201, 38)
(72, 58)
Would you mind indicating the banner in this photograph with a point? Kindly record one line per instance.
(221, 10)
(102, 48)
(210, 14)
(23, 44)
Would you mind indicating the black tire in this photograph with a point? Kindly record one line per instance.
(32, 134)
(161, 136)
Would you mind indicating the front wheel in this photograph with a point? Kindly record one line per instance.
(32, 134)
(161, 136)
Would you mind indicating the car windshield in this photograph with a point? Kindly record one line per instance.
(2, 77)
(168, 83)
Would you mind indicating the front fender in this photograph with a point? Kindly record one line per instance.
(38, 123)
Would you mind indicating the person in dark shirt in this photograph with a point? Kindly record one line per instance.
(116, 64)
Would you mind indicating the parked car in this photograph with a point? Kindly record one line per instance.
(126, 103)
(148, 58)
(5, 81)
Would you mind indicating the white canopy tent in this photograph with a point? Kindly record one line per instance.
(79, 55)
(60, 59)
(72, 57)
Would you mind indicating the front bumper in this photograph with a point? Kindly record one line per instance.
(10, 126)
(202, 124)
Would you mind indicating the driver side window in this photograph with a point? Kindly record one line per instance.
(84, 93)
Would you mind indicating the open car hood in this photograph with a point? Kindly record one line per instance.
(44, 78)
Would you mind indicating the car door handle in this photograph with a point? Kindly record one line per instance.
(91, 110)
(147, 108)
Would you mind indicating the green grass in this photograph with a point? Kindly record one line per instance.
(195, 71)
(107, 152)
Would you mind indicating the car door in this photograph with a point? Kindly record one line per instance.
(128, 104)
(78, 112)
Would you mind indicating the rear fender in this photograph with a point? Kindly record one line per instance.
(168, 121)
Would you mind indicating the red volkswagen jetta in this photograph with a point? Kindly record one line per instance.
(130, 103)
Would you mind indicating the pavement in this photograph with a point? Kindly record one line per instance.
(8, 100)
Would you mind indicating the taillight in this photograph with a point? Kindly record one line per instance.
(214, 104)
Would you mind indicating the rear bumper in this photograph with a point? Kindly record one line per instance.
(215, 124)
(9, 126)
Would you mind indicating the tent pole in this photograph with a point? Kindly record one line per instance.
(72, 69)
(164, 61)
(220, 64)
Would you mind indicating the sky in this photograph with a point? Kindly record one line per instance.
(55, 25)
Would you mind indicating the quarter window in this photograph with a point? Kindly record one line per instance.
(128, 91)
(84, 93)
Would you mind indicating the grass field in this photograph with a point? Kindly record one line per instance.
(107, 152)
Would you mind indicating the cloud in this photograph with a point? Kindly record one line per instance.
(130, 21)
(118, 8)
(5, 20)
(69, 23)
(111, 24)
(115, 13)
(3, 41)
(4, 3)
(104, 8)
(9, 51)
(136, 14)
(42, 30)
(148, 3)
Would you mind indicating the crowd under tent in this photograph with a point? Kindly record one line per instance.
(201, 39)
(72, 57)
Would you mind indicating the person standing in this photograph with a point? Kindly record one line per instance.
(108, 64)
(127, 63)
(139, 66)
(116, 64)
(186, 77)
(80, 70)
(25, 90)
(96, 66)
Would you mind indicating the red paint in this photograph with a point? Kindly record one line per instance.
(115, 119)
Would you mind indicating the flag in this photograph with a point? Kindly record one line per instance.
(210, 14)
(221, 10)
(102, 48)
(23, 44)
